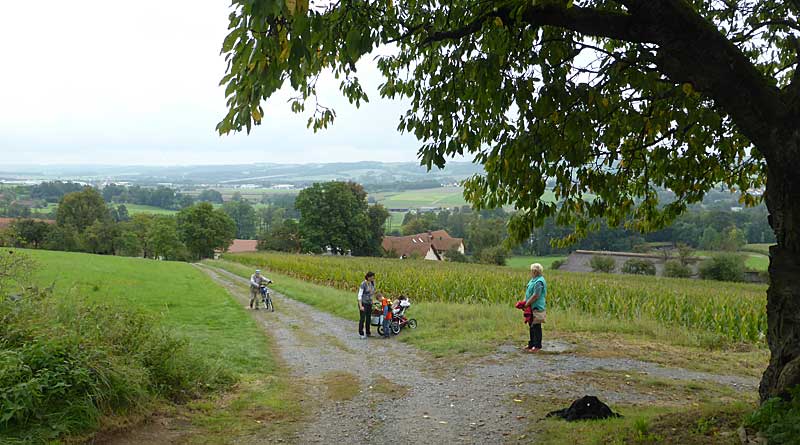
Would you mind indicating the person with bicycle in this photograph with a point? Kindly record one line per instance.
(256, 280)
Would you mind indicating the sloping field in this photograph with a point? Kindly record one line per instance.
(183, 298)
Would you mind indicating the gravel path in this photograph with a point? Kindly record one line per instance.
(441, 403)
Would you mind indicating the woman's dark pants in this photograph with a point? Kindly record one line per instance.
(363, 319)
(536, 336)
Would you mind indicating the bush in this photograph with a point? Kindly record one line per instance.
(636, 266)
(66, 364)
(723, 267)
(493, 255)
(778, 419)
(455, 255)
(676, 269)
(602, 263)
(557, 264)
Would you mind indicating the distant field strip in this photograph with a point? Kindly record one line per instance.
(734, 311)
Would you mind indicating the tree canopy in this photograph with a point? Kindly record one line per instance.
(202, 229)
(336, 215)
(608, 98)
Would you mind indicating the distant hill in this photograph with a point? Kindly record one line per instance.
(263, 174)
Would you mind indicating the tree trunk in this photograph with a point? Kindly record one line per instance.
(783, 296)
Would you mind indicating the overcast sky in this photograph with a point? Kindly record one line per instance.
(112, 82)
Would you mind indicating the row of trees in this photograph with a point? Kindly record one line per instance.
(84, 222)
(162, 197)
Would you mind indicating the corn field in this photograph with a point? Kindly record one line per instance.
(736, 311)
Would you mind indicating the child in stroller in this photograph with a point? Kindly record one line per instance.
(398, 314)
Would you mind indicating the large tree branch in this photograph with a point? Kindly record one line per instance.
(690, 50)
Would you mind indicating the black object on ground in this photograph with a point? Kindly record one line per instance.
(585, 408)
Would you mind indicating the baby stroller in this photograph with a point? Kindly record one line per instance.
(377, 320)
(399, 315)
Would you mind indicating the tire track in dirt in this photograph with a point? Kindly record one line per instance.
(436, 402)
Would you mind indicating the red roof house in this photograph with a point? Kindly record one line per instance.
(429, 245)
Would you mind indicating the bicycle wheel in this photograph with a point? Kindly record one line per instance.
(271, 305)
(395, 327)
(412, 323)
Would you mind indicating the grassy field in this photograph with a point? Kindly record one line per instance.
(254, 195)
(753, 260)
(524, 262)
(758, 248)
(435, 197)
(186, 301)
(395, 221)
(138, 208)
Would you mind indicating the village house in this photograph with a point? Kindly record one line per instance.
(239, 246)
(431, 245)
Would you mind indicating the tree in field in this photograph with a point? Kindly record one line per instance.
(284, 237)
(101, 237)
(244, 216)
(613, 98)
(336, 215)
(31, 232)
(163, 239)
(80, 210)
(209, 195)
(140, 225)
(415, 225)
(203, 229)
(376, 217)
(269, 218)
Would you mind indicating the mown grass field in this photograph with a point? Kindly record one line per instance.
(138, 208)
(191, 305)
(753, 260)
(434, 197)
(184, 299)
(394, 222)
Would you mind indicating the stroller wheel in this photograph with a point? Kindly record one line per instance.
(380, 329)
(395, 327)
(412, 323)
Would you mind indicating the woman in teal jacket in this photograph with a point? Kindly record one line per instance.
(535, 298)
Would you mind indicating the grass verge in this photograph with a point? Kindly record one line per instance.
(707, 423)
(198, 333)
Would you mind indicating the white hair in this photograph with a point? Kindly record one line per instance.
(537, 267)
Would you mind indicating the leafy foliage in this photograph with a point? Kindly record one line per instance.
(723, 267)
(779, 418)
(336, 215)
(565, 90)
(80, 210)
(602, 263)
(639, 267)
(452, 254)
(493, 255)
(203, 229)
(244, 216)
(676, 269)
(282, 238)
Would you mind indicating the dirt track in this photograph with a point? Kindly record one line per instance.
(429, 401)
